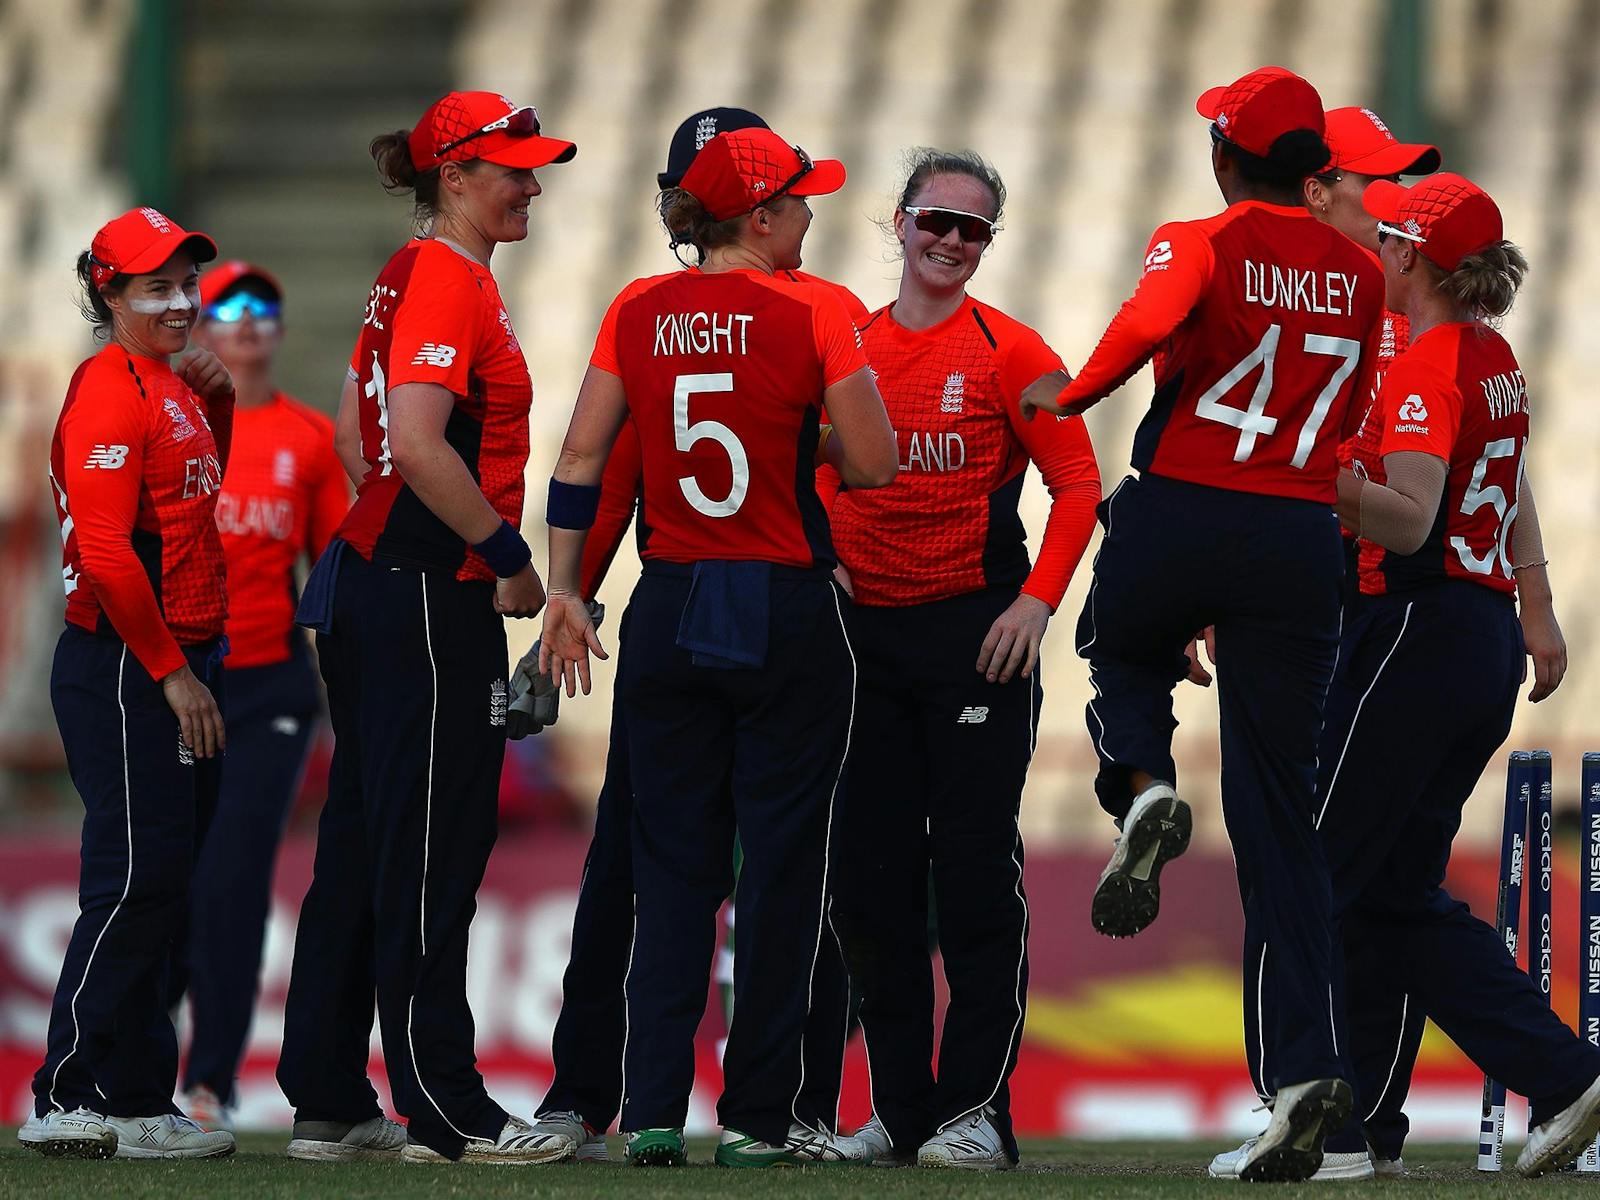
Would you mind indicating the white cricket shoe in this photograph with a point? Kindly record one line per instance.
(591, 1145)
(1563, 1137)
(1353, 1165)
(376, 1139)
(1289, 1150)
(1155, 831)
(170, 1135)
(876, 1138)
(803, 1147)
(518, 1145)
(76, 1134)
(1388, 1168)
(969, 1143)
(206, 1109)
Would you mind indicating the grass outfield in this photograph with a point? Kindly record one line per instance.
(1131, 1169)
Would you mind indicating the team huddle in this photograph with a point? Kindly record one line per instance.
(827, 690)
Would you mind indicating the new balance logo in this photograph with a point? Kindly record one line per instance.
(955, 391)
(106, 458)
(433, 354)
(975, 715)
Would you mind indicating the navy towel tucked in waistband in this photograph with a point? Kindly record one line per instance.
(726, 618)
(316, 601)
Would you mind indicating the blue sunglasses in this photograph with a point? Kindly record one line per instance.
(234, 308)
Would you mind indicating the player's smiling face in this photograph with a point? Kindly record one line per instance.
(496, 200)
(943, 263)
(154, 313)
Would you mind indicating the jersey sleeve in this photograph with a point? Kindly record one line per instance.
(604, 355)
(838, 341)
(1060, 448)
(619, 491)
(436, 329)
(330, 497)
(1419, 409)
(1026, 358)
(103, 439)
(1178, 264)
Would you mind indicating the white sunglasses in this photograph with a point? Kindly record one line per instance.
(1384, 228)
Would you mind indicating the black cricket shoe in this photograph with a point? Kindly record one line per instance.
(1155, 831)
(1303, 1114)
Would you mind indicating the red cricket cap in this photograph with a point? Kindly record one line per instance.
(1257, 109)
(467, 125)
(140, 240)
(737, 171)
(220, 278)
(1361, 142)
(1449, 217)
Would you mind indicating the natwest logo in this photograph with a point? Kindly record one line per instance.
(1158, 258)
(1413, 409)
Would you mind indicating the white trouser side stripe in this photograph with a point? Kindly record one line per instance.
(1356, 719)
(427, 831)
(1399, 1045)
(827, 847)
(127, 884)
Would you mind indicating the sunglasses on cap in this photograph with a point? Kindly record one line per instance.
(234, 308)
(519, 123)
(806, 167)
(1385, 229)
(940, 221)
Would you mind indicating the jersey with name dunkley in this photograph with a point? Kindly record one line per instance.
(1457, 394)
(724, 375)
(135, 472)
(284, 495)
(435, 316)
(1265, 325)
(949, 524)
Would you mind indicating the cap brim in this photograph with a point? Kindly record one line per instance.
(1395, 158)
(220, 278)
(200, 247)
(1210, 102)
(826, 175)
(529, 152)
(1382, 199)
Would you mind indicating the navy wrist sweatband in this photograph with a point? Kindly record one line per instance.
(571, 505)
(505, 551)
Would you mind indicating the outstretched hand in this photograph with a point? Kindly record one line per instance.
(568, 638)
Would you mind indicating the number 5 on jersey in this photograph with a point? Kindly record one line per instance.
(685, 436)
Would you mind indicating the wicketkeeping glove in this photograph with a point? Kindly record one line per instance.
(535, 698)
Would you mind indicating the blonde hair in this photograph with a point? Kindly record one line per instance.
(689, 224)
(1487, 282)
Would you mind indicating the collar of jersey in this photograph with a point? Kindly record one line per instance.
(458, 248)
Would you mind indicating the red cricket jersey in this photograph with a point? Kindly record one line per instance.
(1459, 395)
(1264, 323)
(724, 375)
(619, 486)
(949, 523)
(435, 316)
(1361, 438)
(136, 470)
(284, 495)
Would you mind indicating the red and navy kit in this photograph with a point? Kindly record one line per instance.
(435, 316)
(1264, 325)
(1459, 395)
(724, 376)
(949, 523)
(136, 467)
(284, 496)
(619, 488)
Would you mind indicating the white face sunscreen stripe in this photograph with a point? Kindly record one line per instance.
(177, 302)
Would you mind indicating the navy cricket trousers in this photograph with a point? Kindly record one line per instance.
(1266, 572)
(147, 801)
(272, 711)
(587, 1046)
(1422, 700)
(934, 780)
(416, 674)
(712, 752)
